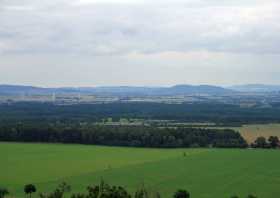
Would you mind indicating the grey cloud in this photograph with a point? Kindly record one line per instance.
(62, 26)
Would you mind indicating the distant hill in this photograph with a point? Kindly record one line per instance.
(175, 90)
(200, 89)
(256, 88)
(121, 90)
(20, 89)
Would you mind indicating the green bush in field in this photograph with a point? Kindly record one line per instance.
(182, 194)
(103, 190)
(3, 192)
(58, 192)
(29, 189)
(251, 196)
(141, 193)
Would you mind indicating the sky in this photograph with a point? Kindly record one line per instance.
(139, 42)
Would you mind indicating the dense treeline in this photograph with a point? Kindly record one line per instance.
(197, 112)
(125, 136)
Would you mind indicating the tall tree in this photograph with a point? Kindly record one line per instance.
(142, 192)
(59, 192)
(261, 142)
(3, 192)
(29, 189)
(273, 141)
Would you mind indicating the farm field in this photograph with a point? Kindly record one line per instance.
(206, 173)
(252, 131)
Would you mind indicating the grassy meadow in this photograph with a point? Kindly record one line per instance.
(206, 173)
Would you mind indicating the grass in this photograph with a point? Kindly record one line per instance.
(206, 173)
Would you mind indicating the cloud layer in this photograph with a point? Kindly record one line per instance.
(118, 27)
(178, 41)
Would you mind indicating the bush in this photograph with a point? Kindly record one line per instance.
(182, 194)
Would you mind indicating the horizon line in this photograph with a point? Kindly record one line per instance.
(137, 86)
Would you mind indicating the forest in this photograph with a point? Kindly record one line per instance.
(218, 113)
(125, 136)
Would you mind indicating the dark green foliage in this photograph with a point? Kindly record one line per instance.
(29, 189)
(181, 194)
(78, 195)
(104, 190)
(134, 136)
(273, 141)
(141, 193)
(197, 112)
(251, 196)
(260, 142)
(234, 196)
(58, 192)
(3, 192)
(64, 187)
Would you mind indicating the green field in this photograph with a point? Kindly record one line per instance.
(206, 173)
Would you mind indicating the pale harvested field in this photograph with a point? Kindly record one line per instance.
(251, 132)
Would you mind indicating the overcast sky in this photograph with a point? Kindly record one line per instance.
(139, 42)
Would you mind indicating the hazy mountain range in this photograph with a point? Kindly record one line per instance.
(130, 90)
(256, 88)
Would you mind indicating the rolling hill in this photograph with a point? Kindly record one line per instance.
(118, 90)
(256, 88)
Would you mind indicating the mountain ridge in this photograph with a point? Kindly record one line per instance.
(118, 90)
(256, 88)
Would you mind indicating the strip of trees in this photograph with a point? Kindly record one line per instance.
(102, 190)
(261, 142)
(134, 136)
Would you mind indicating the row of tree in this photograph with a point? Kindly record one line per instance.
(262, 142)
(103, 190)
(134, 136)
